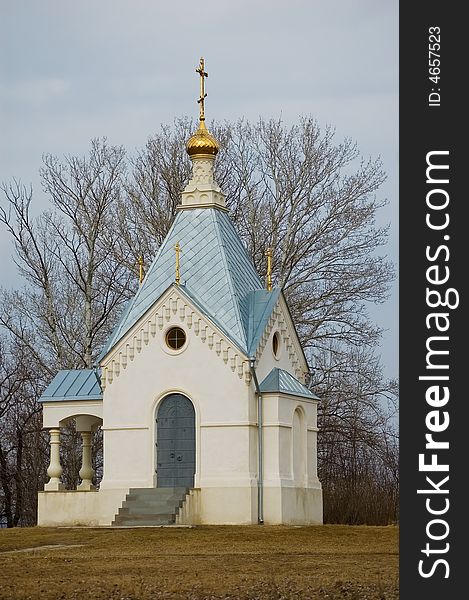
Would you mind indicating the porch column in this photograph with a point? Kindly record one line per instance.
(86, 472)
(55, 468)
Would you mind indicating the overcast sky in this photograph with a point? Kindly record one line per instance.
(74, 70)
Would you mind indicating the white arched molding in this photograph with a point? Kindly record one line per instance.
(299, 448)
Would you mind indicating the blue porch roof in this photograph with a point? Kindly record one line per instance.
(77, 384)
(279, 380)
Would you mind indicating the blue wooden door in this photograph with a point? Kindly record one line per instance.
(175, 442)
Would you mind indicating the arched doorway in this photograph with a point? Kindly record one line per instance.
(175, 442)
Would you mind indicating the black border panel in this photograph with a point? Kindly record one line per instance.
(433, 301)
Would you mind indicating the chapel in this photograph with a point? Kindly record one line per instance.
(199, 392)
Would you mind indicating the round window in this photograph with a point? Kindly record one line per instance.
(175, 338)
(276, 344)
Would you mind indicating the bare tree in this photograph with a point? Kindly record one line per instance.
(21, 470)
(358, 452)
(65, 255)
(74, 291)
(290, 188)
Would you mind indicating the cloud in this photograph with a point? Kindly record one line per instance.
(35, 92)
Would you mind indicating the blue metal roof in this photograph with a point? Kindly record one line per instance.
(79, 384)
(215, 270)
(279, 380)
(261, 305)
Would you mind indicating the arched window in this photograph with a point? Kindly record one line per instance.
(276, 344)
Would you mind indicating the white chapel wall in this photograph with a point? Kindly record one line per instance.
(219, 396)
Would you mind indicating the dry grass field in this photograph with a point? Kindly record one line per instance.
(325, 562)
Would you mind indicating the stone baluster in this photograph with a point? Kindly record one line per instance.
(86, 472)
(55, 468)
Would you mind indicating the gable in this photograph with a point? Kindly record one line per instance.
(175, 305)
(278, 320)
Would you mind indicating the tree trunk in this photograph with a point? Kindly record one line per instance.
(5, 480)
(19, 478)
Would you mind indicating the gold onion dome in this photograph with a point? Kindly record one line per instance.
(202, 142)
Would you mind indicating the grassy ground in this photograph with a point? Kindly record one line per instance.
(325, 562)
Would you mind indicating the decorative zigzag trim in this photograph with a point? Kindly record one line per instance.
(139, 338)
(288, 337)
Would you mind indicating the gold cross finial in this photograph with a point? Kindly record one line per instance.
(177, 247)
(200, 70)
(268, 254)
(141, 272)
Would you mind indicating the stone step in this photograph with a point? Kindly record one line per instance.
(162, 492)
(157, 505)
(136, 520)
(150, 506)
(149, 509)
(147, 499)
